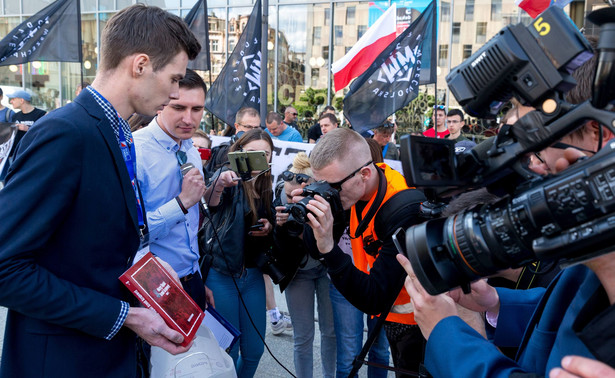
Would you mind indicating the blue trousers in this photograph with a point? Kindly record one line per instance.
(349, 323)
(248, 351)
(300, 299)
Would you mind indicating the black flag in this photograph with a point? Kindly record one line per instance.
(51, 35)
(197, 22)
(392, 80)
(239, 82)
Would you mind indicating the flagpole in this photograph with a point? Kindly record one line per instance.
(80, 41)
(450, 44)
(264, 58)
(434, 31)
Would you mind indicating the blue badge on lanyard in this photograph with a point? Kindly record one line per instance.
(131, 163)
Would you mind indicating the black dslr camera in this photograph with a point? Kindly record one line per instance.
(567, 217)
(298, 211)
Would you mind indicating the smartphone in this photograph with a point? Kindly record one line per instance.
(205, 153)
(244, 162)
(257, 227)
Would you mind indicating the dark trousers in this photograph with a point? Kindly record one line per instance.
(407, 346)
(194, 286)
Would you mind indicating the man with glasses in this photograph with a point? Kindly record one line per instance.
(290, 117)
(374, 283)
(438, 119)
(246, 119)
(454, 124)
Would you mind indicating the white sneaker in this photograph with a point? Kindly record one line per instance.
(284, 324)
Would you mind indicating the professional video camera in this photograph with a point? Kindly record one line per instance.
(298, 211)
(567, 217)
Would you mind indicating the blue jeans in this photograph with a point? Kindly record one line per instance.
(349, 325)
(252, 288)
(300, 300)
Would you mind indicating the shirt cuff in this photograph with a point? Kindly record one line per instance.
(172, 213)
(119, 322)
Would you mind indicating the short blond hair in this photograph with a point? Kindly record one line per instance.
(339, 145)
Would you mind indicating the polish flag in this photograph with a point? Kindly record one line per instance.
(536, 7)
(366, 50)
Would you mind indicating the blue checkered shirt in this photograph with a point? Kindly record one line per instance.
(116, 123)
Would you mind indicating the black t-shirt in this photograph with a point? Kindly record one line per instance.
(26, 119)
(314, 132)
(29, 118)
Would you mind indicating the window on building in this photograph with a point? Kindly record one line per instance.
(496, 10)
(361, 29)
(445, 11)
(316, 33)
(348, 48)
(213, 26)
(339, 35)
(469, 14)
(327, 16)
(467, 51)
(456, 31)
(325, 52)
(481, 32)
(231, 27)
(350, 15)
(443, 55)
(231, 44)
(215, 45)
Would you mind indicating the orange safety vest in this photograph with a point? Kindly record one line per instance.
(363, 261)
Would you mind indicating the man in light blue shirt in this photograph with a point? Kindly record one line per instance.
(171, 201)
(279, 130)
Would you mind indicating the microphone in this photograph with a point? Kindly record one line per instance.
(185, 168)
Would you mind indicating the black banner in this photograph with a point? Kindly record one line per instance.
(393, 79)
(239, 82)
(197, 22)
(51, 35)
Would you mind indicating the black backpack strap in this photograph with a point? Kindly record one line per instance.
(401, 210)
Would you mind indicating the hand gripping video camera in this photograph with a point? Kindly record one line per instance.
(568, 217)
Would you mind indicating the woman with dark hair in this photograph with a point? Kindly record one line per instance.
(235, 240)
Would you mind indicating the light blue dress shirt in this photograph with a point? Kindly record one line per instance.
(173, 235)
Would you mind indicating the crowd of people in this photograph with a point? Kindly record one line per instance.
(124, 169)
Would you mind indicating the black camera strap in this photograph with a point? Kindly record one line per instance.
(373, 209)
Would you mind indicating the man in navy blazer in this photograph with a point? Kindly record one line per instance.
(71, 219)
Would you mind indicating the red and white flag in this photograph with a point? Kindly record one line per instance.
(536, 7)
(365, 51)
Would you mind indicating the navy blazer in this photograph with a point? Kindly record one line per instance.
(69, 230)
(456, 350)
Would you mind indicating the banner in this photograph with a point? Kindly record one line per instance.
(367, 48)
(392, 80)
(199, 25)
(239, 82)
(52, 35)
(8, 131)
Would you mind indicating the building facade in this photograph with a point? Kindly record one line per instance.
(304, 39)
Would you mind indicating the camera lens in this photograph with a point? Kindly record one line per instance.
(299, 212)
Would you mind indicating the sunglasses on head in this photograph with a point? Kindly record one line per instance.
(300, 178)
